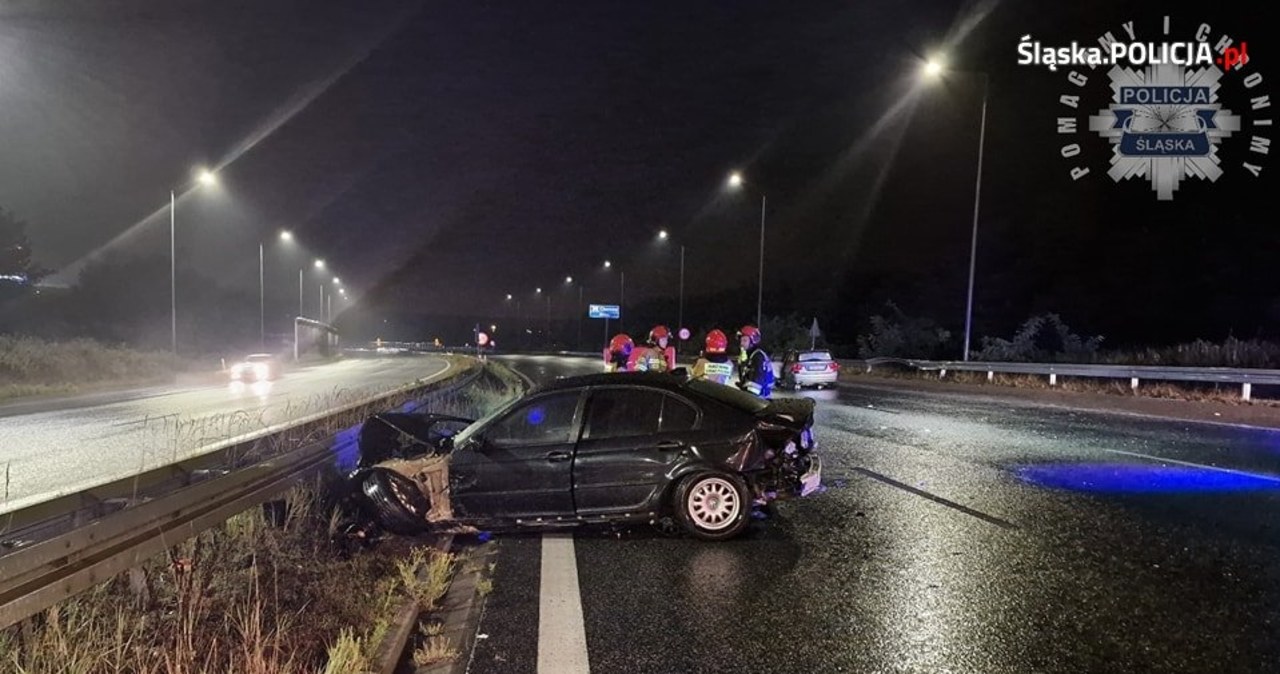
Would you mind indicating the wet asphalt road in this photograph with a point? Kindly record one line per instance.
(957, 534)
(69, 445)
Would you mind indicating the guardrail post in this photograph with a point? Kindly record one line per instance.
(991, 376)
(1053, 378)
(942, 373)
(1133, 384)
(1246, 391)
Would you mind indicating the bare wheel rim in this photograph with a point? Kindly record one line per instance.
(713, 504)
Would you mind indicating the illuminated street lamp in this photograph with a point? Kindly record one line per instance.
(622, 296)
(286, 237)
(519, 316)
(319, 264)
(736, 182)
(933, 70)
(568, 280)
(662, 236)
(206, 178)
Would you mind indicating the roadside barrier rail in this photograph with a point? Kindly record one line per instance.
(54, 550)
(1244, 377)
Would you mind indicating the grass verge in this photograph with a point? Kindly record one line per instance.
(30, 366)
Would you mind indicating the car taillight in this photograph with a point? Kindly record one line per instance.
(797, 368)
(834, 365)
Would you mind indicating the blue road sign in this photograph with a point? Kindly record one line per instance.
(604, 311)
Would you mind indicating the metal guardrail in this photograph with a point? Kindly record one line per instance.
(89, 550)
(1244, 377)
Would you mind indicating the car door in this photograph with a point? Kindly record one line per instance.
(631, 438)
(520, 465)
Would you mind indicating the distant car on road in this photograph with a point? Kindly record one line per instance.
(631, 447)
(257, 367)
(808, 368)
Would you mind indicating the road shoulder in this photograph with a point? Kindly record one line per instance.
(1258, 415)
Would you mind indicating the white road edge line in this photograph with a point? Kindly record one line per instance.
(562, 636)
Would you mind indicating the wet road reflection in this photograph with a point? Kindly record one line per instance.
(994, 539)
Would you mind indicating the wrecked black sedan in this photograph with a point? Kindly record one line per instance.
(598, 448)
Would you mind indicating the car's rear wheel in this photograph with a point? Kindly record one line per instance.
(712, 506)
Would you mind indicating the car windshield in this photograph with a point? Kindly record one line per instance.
(729, 395)
(464, 436)
(815, 355)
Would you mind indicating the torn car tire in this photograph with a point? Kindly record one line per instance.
(398, 503)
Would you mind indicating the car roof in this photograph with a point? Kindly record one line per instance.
(661, 380)
(259, 355)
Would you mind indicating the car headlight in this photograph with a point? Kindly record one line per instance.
(260, 370)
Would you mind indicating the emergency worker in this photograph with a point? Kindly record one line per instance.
(618, 353)
(657, 355)
(715, 364)
(755, 372)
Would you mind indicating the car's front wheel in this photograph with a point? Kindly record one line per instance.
(399, 504)
(712, 506)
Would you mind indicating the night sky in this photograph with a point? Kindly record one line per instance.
(441, 155)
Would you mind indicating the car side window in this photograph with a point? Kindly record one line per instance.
(621, 413)
(677, 415)
(544, 420)
(721, 416)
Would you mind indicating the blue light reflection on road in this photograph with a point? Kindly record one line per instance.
(1123, 478)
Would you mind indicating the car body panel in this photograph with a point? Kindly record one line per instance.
(492, 477)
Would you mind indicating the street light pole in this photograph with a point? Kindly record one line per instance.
(680, 313)
(262, 299)
(622, 299)
(173, 277)
(760, 286)
(579, 342)
(973, 243)
(299, 292)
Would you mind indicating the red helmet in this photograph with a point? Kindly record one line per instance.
(658, 332)
(751, 332)
(620, 344)
(717, 342)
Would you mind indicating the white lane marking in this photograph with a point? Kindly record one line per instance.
(562, 636)
(1192, 464)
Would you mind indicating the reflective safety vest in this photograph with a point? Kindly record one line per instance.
(719, 373)
(648, 359)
